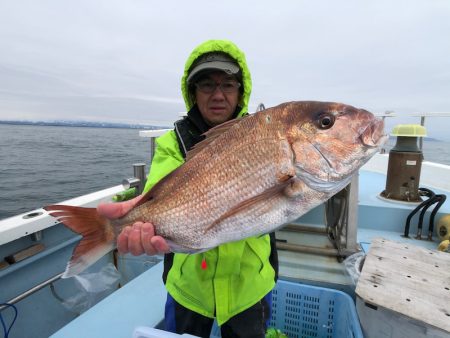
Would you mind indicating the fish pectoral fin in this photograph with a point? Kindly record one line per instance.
(264, 196)
(294, 188)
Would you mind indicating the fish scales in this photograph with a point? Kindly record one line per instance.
(248, 177)
(248, 171)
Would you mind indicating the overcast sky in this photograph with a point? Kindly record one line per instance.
(121, 61)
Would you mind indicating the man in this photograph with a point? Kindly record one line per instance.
(232, 282)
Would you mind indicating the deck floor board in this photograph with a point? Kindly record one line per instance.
(410, 280)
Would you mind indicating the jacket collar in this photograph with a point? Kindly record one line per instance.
(196, 118)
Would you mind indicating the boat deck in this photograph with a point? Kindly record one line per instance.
(138, 303)
(141, 300)
(377, 218)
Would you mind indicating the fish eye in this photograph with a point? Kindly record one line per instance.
(325, 120)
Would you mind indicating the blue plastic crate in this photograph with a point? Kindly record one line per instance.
(305, 311)
(300, 310)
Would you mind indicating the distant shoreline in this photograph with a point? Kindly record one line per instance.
(87, 124)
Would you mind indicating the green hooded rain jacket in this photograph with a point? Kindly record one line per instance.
(238, 274)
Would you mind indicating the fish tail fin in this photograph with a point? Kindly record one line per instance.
(97, 231)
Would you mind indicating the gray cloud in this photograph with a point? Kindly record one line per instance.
(122, 61)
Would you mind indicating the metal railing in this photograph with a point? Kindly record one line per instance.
(29, 292)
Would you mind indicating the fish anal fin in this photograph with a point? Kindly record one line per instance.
(211, 135)
(267, 194)
(98, 236)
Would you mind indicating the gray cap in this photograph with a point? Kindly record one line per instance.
(214, 61)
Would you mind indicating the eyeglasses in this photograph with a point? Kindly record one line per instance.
(209, 87)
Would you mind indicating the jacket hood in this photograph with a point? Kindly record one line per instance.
(231, 49)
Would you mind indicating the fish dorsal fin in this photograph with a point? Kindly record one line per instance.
(264, 196)
(211, 135)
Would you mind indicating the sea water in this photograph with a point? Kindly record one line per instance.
(42, 165)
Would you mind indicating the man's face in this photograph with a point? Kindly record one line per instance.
(219, 105)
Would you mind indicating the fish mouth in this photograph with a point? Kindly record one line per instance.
(373, 136)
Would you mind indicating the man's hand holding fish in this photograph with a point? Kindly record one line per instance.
(137, 239)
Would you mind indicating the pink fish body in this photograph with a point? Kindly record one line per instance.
(248, 177)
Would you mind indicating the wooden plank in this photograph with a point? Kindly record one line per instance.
(410, 280)
(25, 253)
(3, 264)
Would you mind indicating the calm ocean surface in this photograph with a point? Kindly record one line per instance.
(42, 165)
